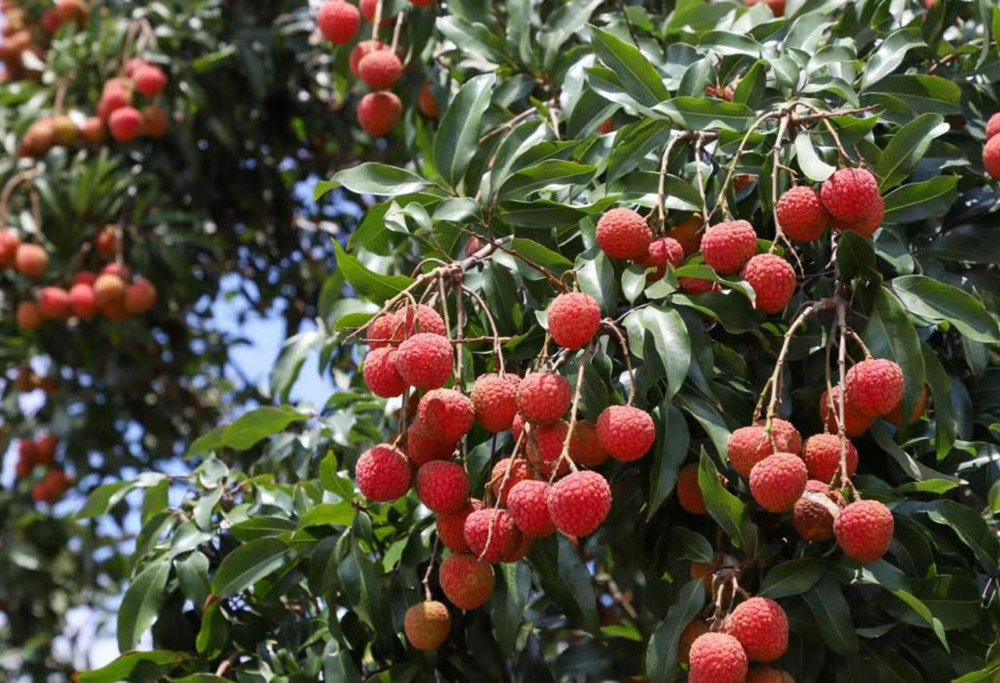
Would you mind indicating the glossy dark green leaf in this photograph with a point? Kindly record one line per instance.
(907, 146)
(661, 654)
(637, 74)
(794, 577)
(670, 338)
(252, 427)
(725, 508)
(938, 301)
(669, 456)
(140, 604)
(890, 334)
(458, 134)
(919, 201)
(699, 113)
(247, 564)
(373, 178)
(565, 580)
(373, 286)
(833, 616)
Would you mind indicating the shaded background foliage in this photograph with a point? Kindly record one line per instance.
(262, 112)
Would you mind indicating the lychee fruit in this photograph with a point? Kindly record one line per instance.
(749, 445)
(362, 50)
(380, 69)
(717, 658)
(427, 625)
(108, 290)
(495, 399)
(379, 112)
(896, 416)
(579, 502)
(786, 435)
(442, 486)
(777, 481)
(623, 234)
(850, 194)
(626, 433)
(727, 246)
(697, 285)
(140, 295)
(381, 375)
(993, 126)
(31, 261)
(864, 530)
(801, 214)
(380, 331)
(116, 268)
(411, 320)
(28, 316)
(761, 626)
(866, 226)
(82, 301)
(446, 413)
(125, 124)
(383, 473)
(663, 251)
(338, 21)
(991, 157)
(821, 455)
(528, 506)
(520, 551)
(543, 397)
(150, 80)
(545, 447)
(65, 130)
(490, 534)
(9, 242)
(607, 126)
(499, 477)
(574, 318)
(814, 512)
(155, 121)
(53, 303)
(773, 281)
(466, 581)
(107, 242)
(688, 233)
(689, 491)
(93, 130)
(427, 102)
(423, 446)
(856, 423)
(424, 360)
(451, 526)
(585, 448)
(874, 386)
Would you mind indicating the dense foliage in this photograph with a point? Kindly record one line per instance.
(523, 124)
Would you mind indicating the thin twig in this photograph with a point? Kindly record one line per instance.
(610, 324)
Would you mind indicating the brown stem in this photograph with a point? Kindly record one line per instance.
(578, 391)
(430, 567)
(610, 324)
(396, 31)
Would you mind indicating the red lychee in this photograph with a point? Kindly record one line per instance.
(53, 303)
(499, 477)
(585, 449)
(150, 80)
(424, 360)
(125, 124)
(427, 102)
(697, 285)
(574, 318)
(623, 234)
(814, 512)
(717, 658)
(801, 214)
(383, 473)
(777, 481)
(155, 121)
(338, 21)
(691, 633)
(82, 301)
(821, 455)
(850, 194)
(362, 50)
(380, 69)
(545, 446)
(688, 233)
(663, 251)
(379, 112)
(866, 226)
(28, 316)
(446, 413)
(689, 491)
(140, 295)
(528, 505)
(749, 445)
(443, 486)
(626, 433)
(993, 126)
(427, 625)
(466, 581)
(761, 626)
(381, 375)
(495, 400)
(543, 397)
(380, 331)
(451, 526)
(727, 246)
(109, 290)
(93, 130)
(411, 320)
(579, 502)
(31, 261)
(991, 157)
(874, 386)
(773, 281)
(9, 242)
(856, 423)
(864, 530)
(786, 435)
(490, 534)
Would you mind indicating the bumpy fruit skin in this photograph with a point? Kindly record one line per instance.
(519, 471)
(773, 281)
(380, 69)
(490, 534)
(381, 375)
(451, 526)
(688, 232)
(574, 319)
(856, 423)
(28, 316)
(31, 261)
(875, 386)
(379, 112)
(125, 124)
(864, 530)
(446, 413)
(383, 473)
(528, 505)
(424, 361)
(586, 449)
(427, 625)
(697, 285)
(543, 397)
(579, 503)
(896, 416)
(443, 486)
(991, 157)
(466, 581)
(623, 234)
(785, 433)
(717, 658)
(362, 50)
(850, 194)
(545, 446)
(691, 633)
(627, 433)
(495, 400)
(380, 329)
(747, 446)
(520, 551)
(661, 252)
(866, 226)
(412, 320)
(777, 481)
(338, 21)
(761, 626)
(801, 214)
(812, 518)
(689, 491)
(769, 675)
(821, 455)
(727, 246)
(993, 126)
(53, 303)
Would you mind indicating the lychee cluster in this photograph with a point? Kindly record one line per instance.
(756, 631)
(37, 461)
(26, 34)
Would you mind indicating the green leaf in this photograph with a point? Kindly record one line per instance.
(633, 142)
(669, 456)
(369, 284)
(856, 257)
(661, 653)
(906, 147)
(596, 276)
(640, 78)
(457, 138)
(105, 497)
(247, 564)
(547, 175)
(969, 243)
(940, 384)
(293, 354)
(939, 302)
(251, 428)
(919, 201)
(121, 668)
(373, 178)
(192, 575)
(725, 508)
(670, 337)
(750, 90)
(214, 631)
(794, 577)
(833, 616)
(565, 580)
(141, 603)
(328, 514)
(890, 54)
(702, 113)
(812, 166)
(540, 254)
(890, 334)
(970, 527)
(509, 602)
(922, 93)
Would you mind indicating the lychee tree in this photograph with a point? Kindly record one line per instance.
(668, 352)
